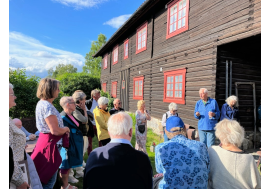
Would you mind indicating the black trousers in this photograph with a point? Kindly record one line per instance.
(105, 141)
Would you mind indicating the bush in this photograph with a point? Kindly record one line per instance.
(107, 95)
(25, 89)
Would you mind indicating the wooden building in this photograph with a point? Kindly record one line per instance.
(167, 50)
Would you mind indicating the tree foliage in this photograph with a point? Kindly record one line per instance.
(93, 65)
(25, 89)
(61, 69)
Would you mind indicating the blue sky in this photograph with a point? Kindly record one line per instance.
(44, 33)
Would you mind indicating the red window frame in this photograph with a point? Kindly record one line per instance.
(104, 86)
(115, 54)
(105, 61)
(141, 35)
(114, 89)
(184, 11)
(137, 83)
(174, 85)
(126, 49)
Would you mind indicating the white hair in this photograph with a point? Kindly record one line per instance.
(230, 132)
(204, 90)
(173, 106)
(102, 101)
(11, 86)
(232, 98)
(77, 96)
(64, 100)
(120, 124)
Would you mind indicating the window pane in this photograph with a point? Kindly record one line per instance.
(136, 83)
(179, 24)
(180, 5)
(180, 86)
(184, 13)
(183, 22)
(140, 82)
(171, 94)
(168, 86)
(136, 92)
(168, 93)
(171, 86)
(171, 79)
(143, 44)
(139, 46)
(180, 14)
(140, 34)
(171, 28)
(143, 37)
(176, 86)
(139, 40)
(184, 3)
(168, 79)
(144, 31)
(174, 17)
(140, 93)
(180, 78)
(171, 19)
(171, 11)
(176, 79)
(180, 94)
(176, 94)
(140, 87)
(174, 26)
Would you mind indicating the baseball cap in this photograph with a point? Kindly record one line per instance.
(174, 121)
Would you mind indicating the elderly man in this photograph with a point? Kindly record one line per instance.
(117, 106)
(172, 112)
(180, 162)
(91, 105)
(118, 164)
(18, 123)
(207, 112)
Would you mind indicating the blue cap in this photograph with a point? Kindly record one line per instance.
(174, 121)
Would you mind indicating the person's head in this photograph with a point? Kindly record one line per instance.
(229, 132)
(175, 126)
(17, 122)
(173, 108)
(203, 92)
(68, 104)
(79, 97)
(95, 94)
(232, 101)
(120, 126)
(48, 89)
(12, 96)
(117, 103)
(103, 103)
(141, 105)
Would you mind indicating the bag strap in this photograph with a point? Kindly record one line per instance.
(67, 120)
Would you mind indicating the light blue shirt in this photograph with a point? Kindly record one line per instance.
(120, 140)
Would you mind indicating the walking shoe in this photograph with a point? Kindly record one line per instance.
(79, 174)
(71, 179)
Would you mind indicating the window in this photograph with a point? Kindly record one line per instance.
(104, 85)
(141, 38)
(177, 17)
(114, 88)
(105, 61)
(138, 88)
(126, 49)
(115, 55)
(174, 86)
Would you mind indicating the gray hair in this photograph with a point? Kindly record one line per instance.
(119, 124)
(77, 96)
(204, 90)
(64, 100)
(102, 101)
(232, 98)
(230, 132)
(11, 86)
(173, 106)
(94, 92)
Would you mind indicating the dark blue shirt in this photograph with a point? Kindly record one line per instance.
(228, 113)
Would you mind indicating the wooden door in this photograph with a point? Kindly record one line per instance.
(124, 96)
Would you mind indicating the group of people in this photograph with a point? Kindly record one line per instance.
(180, 162)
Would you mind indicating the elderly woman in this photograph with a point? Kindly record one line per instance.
(101, 116)
(229, 110)
(180, 162)
(80, 114)
(72, 156)
(49, 122)
(141, 126)
(229, 166)
(172, 112)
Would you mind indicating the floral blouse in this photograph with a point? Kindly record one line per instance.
(17, 140)
(183, 162)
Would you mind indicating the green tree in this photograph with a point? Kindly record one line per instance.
(60, 69)
(93, 65)
(25, 89)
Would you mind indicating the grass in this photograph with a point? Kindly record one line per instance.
(151, 137)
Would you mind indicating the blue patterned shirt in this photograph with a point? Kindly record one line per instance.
(183, 162)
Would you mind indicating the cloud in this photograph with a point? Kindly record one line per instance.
(116, 22)
(78, 4)
(30, 54)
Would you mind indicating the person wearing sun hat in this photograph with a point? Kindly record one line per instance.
(180, 162)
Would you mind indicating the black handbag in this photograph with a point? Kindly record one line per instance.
(141, 128)
(90, 132)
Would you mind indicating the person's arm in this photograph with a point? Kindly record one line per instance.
(52, 122)
(224, 112)
(100, 120)
(217, 113)
(25, 132)
(148, 117)
(158, 161)
(196, 110)
(82, 118)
